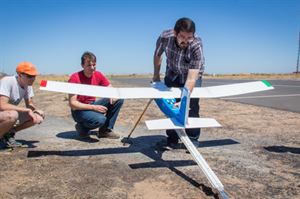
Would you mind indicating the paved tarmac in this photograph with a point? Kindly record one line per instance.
(285, 96)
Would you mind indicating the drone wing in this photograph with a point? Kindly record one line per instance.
(158, 90)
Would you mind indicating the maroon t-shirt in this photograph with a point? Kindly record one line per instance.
(96, 79)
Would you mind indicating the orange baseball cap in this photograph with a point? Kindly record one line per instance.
(27, 68)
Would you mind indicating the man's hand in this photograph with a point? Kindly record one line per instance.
(156, 78)
(99, 108)
(176, 105)
(33, 116)
(192, 77)
(40, 113)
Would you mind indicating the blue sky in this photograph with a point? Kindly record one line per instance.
(239, 36)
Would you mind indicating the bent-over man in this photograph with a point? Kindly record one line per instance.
(185, 66)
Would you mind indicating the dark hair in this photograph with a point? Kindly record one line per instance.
(185, 25)
(88, 56)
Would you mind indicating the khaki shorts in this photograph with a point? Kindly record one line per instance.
(23, 117)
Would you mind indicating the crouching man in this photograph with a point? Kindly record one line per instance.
(14, 118)
(88, 112)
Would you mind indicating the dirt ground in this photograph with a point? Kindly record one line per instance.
(256, 154)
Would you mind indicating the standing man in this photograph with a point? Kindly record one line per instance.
(185, 66)
(12, 117)
(86, 111)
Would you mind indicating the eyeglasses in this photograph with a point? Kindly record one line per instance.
(29, 76)
(183, 38)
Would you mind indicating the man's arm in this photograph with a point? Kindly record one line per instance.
(112, 100)
(157, 63)
(197, 66)
(193, 75)
(157, 58)
(5, 106)
(76, 105)
(29, 104)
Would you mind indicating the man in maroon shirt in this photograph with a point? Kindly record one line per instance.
(88, 112)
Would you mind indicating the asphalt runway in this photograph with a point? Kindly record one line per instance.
(285, 96)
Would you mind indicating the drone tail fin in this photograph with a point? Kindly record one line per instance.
(173, 123)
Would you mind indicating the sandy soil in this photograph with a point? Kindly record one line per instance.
(256, 154)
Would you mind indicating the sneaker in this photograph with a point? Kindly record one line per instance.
(81, 132)
(11, 141)
(3, 144)
(166, 145)
(171, 142)
(102, 129)
(108, 134)
(162, 144)
(173, 146)
(195, 143)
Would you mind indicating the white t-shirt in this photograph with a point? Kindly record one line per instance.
(10, 87)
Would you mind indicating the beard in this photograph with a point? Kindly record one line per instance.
(183, 45)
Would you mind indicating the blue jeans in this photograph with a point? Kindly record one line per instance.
(194, 111)
(89, 120)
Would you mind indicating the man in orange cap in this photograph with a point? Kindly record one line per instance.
(12, 117)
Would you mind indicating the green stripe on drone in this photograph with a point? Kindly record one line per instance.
(268, 84)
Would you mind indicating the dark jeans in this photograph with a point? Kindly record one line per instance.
(89, 120)
(194, 111)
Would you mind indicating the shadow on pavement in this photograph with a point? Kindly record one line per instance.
(73, 135)
(283, 149)
(213, 143)
(30, 144)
